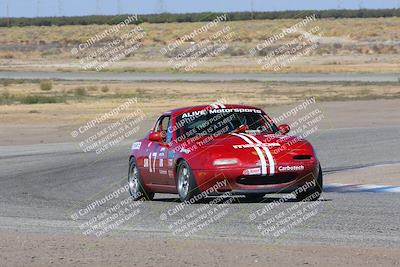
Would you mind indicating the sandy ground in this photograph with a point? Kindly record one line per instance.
(388, 174)
(39, 249)
(376, 63)
(54, 123)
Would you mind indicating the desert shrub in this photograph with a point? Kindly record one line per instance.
(105, 89)
(46, 85)
(5, 97)
(38, 99)
(80, 92)
(140, 92)
(6, 82)
(92, 88)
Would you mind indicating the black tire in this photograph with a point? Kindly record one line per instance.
(314, 193)
(254, 196)
(185, 182)
(136, 188)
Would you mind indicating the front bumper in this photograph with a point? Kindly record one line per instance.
(237, 183)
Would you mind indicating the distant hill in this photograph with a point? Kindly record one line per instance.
(196, 17)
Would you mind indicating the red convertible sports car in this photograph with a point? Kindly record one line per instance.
(218, 148)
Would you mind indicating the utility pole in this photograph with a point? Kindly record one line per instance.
(97, 7)
(60, 8)
(161, 6)
(8, 13)
(339, 4)
(37, 8)
(252, 9)
(360, 4)
(120, 8)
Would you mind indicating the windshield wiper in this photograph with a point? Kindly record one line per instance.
(241, 129)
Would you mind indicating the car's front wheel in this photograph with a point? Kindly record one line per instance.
(135, 183)
(314, 193)
(186, 183)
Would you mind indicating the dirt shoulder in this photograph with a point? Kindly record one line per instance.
(380, 175)
(31, 113)
(53, 123)
(39, 249)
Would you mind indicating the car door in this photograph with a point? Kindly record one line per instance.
(158, 152)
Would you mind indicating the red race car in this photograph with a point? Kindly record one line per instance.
(222, 148)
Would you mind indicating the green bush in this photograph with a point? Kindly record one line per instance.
(46, 85)
(6, 82)
(5, 97)
(80, 92)
(105, 89)
(36, 99)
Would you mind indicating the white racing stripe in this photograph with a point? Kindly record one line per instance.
(259, 153)
(154, 163)
(150, 169)
(267, 152)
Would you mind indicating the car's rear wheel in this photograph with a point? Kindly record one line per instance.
(314, 193)
(135, 183)
(186, 183)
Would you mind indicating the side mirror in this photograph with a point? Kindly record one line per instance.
(284, 128)
(155, 136)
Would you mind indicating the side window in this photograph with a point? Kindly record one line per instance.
(162, 126)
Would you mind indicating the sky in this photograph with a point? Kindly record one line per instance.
(34, 8)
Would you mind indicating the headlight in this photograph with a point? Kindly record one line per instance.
(221, 162)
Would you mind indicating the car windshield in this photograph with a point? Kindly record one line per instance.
(222, 121)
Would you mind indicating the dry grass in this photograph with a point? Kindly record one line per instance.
(350, 45)
(247, 31)
(160, 96)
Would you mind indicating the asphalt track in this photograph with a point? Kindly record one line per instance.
(42, 185)
(198, 77)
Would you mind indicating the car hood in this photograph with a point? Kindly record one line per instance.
(242, 140)
(250, 149)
